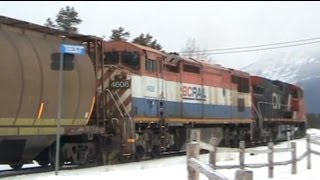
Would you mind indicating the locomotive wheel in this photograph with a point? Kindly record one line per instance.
(139, 153)
(92, 156)
(43, 163)
(52, 157)
(43, 158)
(155, 152)
(16, 166)
(301, 131)
(274, 133)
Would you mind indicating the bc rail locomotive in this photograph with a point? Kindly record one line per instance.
(123, 100)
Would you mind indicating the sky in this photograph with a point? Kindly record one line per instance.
(175, 167)
(213, 25)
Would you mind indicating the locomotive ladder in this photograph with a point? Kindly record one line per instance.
(127, 114)
(162, 125)
(122, 115)
(161, 111)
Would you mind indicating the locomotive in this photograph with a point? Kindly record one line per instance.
(126, 101)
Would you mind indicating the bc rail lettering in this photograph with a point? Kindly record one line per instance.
(193, 93)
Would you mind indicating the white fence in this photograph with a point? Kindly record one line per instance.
(194, 166)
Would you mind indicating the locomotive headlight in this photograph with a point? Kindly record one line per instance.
(120, 77)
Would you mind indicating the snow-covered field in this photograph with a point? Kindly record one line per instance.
(175, 168)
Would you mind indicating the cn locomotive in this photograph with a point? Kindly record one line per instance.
(125, 101)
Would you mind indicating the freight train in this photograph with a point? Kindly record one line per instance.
(126, 101)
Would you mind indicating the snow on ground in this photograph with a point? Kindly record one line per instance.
(175, 167)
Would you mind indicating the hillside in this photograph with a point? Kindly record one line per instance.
(298, 67)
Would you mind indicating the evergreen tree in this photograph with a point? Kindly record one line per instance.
(119, 34)
(66, 20)
(146, 40)
(49, 23)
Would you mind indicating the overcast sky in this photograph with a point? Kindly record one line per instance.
(214, 25)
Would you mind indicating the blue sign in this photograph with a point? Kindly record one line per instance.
(72, 49)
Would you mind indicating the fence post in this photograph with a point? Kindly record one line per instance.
(243, 175)
(308, 152)
(193, 149)
(270, 160)
(195, 135)
(241, 154)
(294, 158)
(212, 155)
(288, 139)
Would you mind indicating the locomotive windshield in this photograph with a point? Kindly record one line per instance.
(111, 58)
(129, 59)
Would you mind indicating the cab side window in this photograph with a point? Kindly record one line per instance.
(131, 59)
(111, 58)
(151, 65)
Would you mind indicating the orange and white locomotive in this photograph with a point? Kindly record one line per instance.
(165, 95)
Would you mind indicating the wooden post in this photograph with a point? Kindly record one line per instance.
(270, 160)
(195, 135)
(288, 139)
(294, 158)
(193, 149)
(241, 154)
(243, 175)
(308, 152)
(212, 155)
(192, 152)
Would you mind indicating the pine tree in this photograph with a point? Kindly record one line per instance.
(146, 40)
(49, 23)
(119, 34)
(66, 20)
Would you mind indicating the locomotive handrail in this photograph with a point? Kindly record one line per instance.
(115, 102)
(258, 113)
(125, 109)
(118, 109)
(267, 103)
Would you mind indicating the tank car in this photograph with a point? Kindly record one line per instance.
(29, 82)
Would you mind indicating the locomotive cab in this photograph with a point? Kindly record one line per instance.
(278, 108)
(126, 59)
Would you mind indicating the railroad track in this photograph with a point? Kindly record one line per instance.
(39, 169)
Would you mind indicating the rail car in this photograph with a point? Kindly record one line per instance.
(126, 101)
(278, 108)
